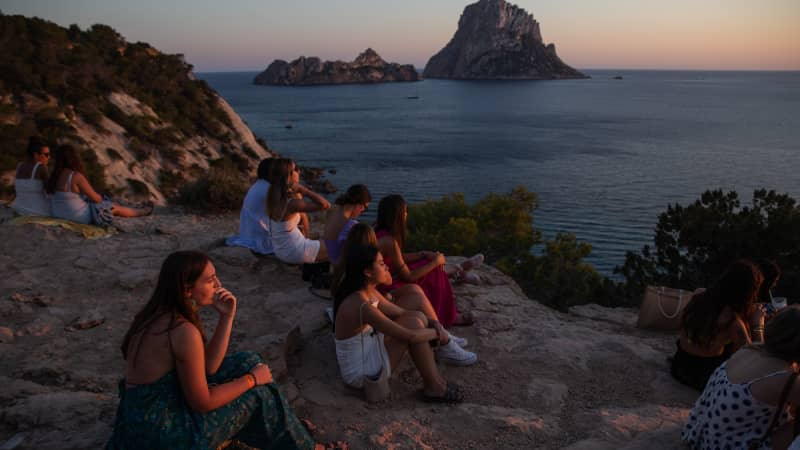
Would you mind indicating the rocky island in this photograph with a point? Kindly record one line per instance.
(498, 40)
(368, 67)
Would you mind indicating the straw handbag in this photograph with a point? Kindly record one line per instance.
(662, 307)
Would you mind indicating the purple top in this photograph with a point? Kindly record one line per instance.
(335, 247)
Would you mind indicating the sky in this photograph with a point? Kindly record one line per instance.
(238, 35)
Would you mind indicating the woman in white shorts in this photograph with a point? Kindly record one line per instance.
(373, 334)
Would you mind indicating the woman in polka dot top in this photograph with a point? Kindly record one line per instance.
(742, 395)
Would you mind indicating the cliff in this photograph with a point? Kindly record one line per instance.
(587, 379)
(498, 40)
(144, 124)
(368, 67)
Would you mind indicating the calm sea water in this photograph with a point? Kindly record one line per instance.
(605, 156)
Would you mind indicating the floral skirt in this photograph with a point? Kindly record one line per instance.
(157, 416)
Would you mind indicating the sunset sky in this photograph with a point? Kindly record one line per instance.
(636, 34)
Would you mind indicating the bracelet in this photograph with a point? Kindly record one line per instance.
(251, 380)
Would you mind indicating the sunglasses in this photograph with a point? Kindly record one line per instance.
(46, 155)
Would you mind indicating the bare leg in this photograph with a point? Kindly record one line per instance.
(413, 298)
(421, 354)
(125, 211)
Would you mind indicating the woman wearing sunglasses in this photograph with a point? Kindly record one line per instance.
(31, 175)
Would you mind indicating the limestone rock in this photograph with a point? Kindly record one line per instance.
(368, 67)
(86, 321)
(56, 409)
(498, 40)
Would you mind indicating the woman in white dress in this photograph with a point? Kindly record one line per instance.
(31, 175)
(287, 199)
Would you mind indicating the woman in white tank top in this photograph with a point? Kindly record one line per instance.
(31, 199)
(73, 197)
(285, 204)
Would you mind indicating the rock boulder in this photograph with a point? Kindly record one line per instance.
(498, 40)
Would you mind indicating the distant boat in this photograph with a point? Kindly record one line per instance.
(413, 97)
(618, 77)
(289, 126)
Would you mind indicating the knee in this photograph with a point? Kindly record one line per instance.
(413, 319)
(246, 359)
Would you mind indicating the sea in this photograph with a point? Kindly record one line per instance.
(605, 155)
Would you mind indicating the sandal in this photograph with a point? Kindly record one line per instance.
(464, 319)
(452, 394)
(337, 445)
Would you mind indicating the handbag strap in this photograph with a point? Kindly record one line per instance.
(781, 406)
(659, 293)
(361, 325)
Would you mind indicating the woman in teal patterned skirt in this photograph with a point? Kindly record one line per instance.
(180, 390)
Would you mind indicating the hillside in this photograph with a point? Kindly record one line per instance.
(145, 123)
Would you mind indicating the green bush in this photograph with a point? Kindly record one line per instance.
(501, 227)
(223, 189)
(694, 244)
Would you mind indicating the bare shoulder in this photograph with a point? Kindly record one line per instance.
(186, 339)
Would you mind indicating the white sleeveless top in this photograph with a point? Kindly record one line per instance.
(31, 200)
(69, 205)
(288, 242)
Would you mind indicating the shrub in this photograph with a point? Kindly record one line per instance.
(694, 244)
(223, 189)
(501, 227)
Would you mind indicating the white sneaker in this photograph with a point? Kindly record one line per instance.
(461, 342)
(455, 355)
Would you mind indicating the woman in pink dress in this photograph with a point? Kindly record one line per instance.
(424, 268)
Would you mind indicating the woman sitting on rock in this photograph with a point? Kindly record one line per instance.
(285, 204)
(372, 334)
(29, 181)
(73, 198)
(717, 322)
(342, 217)
(180, 390)
(423, 268)
(744, 395)
(409, 297)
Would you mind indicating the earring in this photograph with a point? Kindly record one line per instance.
(194, 303)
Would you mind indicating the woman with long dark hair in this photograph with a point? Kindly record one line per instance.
(372, 334)
(717, 322)
(286, 201)
(410, 297)
(180, 390)
(424, 268)
(743, 398)
(30, 199)
(74, 198)
(772, 274)
(342, 217)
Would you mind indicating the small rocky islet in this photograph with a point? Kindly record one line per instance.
(367, 68)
